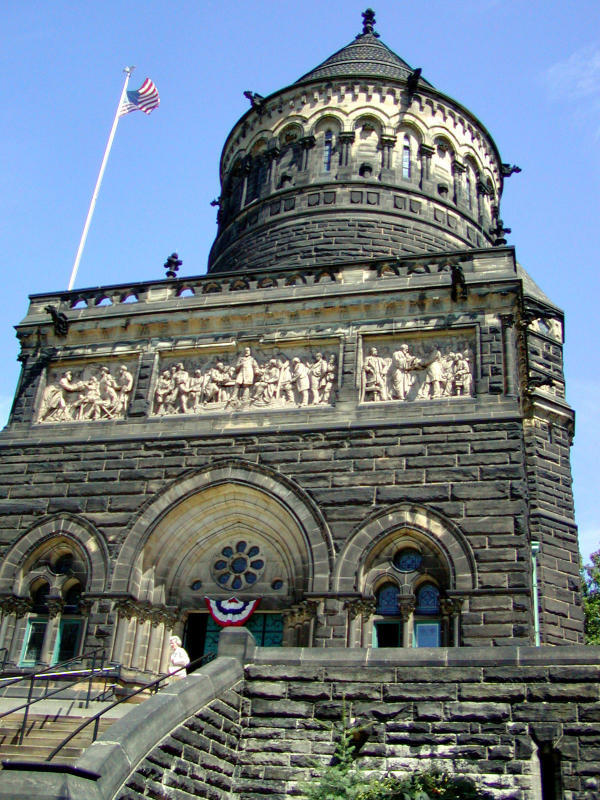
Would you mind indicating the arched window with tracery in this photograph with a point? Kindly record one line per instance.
(427, 628)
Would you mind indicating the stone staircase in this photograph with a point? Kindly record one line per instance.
(44, 732)
(52, 722)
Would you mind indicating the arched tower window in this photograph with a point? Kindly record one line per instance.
(328, 150)
(406, 161)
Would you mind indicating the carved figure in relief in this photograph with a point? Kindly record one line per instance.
(463, 379)
(403, 366)
(101, 396)
(162, 392)
(318, 373)
(373, 378)
(124, 387)
(330, 377)
(285, 390)
(301, 379)
(246, 372)
(196, 390)
(434, 378)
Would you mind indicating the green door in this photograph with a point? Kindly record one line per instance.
(267, 629)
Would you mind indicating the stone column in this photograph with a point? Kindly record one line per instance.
(307, 143)
(508, 338)
(359, 611)
(271, 156)
(170, 621)
(425, 182)
(458, 193)
(483, 216)
(345, 140)
(55, 607)
(141, 632)
(451, 608)
(153, 653)
(406, 606)
(387, 148)
(125, 609)
(14, 608)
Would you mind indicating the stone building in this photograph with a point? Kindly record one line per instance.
(356, 416)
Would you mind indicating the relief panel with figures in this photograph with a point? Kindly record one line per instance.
(86, 392)
(251, 380)
(411, 368)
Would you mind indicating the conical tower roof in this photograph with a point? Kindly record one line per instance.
(366, 56)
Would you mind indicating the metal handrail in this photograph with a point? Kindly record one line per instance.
(156, 684)
(86, 674)
(20, 678)
(48, 675)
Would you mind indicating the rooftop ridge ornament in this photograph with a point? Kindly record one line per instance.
(368, 23)
(172, 265)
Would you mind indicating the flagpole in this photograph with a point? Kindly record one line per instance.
(86, 227)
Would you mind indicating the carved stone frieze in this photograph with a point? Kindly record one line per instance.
(252, 380)
(417, 369)
(86, 393)
(144, 612)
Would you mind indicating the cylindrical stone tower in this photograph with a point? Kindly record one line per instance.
(360, 158)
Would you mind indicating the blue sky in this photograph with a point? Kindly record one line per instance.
(529, 70)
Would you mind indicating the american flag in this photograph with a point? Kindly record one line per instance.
(145, 99)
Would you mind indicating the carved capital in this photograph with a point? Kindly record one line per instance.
(406, 606)
(85, 605)
(458, 167)
(364, 607)
(307, 142)
(426, 151)
(19, 606)
(507, 320)
(55, 606)
(388, 141)
(346, 137)
(451, 606)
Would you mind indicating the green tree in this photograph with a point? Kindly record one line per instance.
(342, 780)
(590, 576)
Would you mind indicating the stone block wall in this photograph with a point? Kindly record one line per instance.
(196, 759)
(502, 717)
(485, 721)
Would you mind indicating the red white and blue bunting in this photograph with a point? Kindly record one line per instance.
(232, 611)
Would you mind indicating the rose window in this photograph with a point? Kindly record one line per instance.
(239, 566)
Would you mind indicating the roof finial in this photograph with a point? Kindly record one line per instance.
(368, 22)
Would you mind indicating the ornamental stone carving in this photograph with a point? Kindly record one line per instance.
(421, 370)
(13, 604)
(549, 326)
(250, 381)
(364, 607)
(90, 393)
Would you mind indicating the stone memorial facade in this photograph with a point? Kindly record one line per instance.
(357, 415)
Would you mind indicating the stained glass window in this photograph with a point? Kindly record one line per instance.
(428, 599)
(387, 600)
(328, 150)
